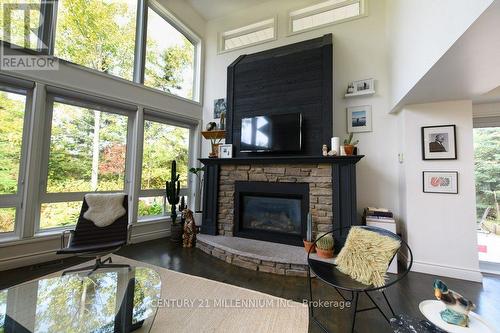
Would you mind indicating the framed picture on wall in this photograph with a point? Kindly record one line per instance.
(440, 182)
(359, 118)
(219, 107)
(439, 142)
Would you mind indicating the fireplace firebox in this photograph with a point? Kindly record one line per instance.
(275, 212)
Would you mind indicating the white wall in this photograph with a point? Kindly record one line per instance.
(420, 32)
(440, 228)
(359, 53)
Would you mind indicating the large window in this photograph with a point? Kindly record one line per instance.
(12, 115)
(87, 153)
(170, 57)
(104, 35)
(99, 34)
(163, 143)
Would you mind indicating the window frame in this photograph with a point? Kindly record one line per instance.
(17, 200)
(225, 35)
(363, 8)
(150, 115)
(47, 197)
(47, 31)
(185, 31)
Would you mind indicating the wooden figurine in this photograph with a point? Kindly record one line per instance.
(457, 307)
(325, 150)
(189, 235)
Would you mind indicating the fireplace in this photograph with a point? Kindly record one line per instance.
(275, 212)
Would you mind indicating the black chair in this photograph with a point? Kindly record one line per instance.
(329, 274)
(89, 240)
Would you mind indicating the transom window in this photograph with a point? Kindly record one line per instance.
(325, 13)
(248, 35)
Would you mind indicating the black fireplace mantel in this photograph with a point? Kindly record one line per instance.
(343, 188)
(282, 160)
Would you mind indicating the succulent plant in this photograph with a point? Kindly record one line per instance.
(324, 242)
(348, 140)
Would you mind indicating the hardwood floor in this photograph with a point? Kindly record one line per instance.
(404, 296)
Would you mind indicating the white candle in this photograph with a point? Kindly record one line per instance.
(336, 144)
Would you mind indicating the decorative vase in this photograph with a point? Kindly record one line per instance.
(215, 150)
(198, 217)
(309, 245)
(349, 150)
(324, 253)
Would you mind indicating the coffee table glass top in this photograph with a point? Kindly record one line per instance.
(117, 300)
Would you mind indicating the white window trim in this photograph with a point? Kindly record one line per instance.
(16, 200)
(363, 5)
(243, 30)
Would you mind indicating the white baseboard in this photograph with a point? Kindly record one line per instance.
(146, 236)
(29, 259)
(448, 271)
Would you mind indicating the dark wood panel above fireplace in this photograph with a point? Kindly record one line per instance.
(289, 79)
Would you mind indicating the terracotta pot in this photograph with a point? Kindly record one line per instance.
(349, 150)
(324, 253)
(308, 245)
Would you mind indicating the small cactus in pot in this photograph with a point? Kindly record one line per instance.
(324, 245)
(349, 145)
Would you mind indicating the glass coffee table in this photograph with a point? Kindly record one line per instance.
(111, 300)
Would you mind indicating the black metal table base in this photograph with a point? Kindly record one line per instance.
(354, 304)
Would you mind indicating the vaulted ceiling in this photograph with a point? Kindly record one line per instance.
(211, 9)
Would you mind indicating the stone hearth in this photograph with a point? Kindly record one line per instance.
(318, 176)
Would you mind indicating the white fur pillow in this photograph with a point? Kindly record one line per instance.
(366, 256)
(104, 208)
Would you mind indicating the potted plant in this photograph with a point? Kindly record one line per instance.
(173, 190)
(198, 172)
(349, 145)
(324, 245)
(308, 243)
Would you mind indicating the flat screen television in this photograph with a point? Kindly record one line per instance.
(273, 133)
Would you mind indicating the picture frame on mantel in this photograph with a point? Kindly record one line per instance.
(439, 142)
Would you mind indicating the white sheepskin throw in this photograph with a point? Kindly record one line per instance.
(104, 209)
(366, 256)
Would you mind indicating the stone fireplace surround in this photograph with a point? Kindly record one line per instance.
(318, 176)
(332, 203)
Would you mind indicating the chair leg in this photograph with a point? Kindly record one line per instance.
(388, 304)
(354, 312)
(310, 292)
(378, 308)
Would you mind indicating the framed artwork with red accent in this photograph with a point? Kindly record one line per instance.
(440, 182)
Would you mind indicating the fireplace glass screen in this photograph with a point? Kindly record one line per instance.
(272, 214)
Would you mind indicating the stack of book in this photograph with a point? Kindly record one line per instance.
(372, 214)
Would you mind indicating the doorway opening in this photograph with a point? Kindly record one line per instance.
(487, 174)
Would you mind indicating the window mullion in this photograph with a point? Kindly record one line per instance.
(31, 189)
(135, 164)
(140, 41)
